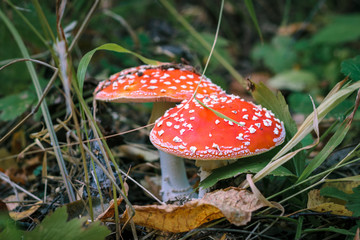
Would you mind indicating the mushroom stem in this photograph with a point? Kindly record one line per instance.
(174, 183)
(159, 108)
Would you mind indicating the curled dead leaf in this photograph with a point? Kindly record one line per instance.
(25, 214)
(235, 204)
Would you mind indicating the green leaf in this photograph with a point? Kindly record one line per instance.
(56, 227)
(277, 104)
(330, 229)
(278, 56)
(14, 105)
(294, 80)
(340, 29)
(351, 67)
(300, 103)
(246, 165)
(353, 203)
(250, 8)
(352, 199)
(85, 60)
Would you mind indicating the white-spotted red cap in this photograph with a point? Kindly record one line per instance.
(148, 83)
(192, 131)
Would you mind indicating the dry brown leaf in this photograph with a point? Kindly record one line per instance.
(25, 214)
(110, 211)
(174, 218)
(235, 204)
(318, 203)
(12, 200)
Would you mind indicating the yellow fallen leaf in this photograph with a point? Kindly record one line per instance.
(318, 203)
(25, 214)
(235, 204)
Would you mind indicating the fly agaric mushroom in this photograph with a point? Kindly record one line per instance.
(193, 131)
(164, 85)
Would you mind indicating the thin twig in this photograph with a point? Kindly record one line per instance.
(5, 178)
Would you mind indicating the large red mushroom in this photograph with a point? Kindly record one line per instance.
(164, 85)
(193, 131)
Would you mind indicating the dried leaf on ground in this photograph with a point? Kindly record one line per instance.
(110, 211)
(318, 203)
(235, 204)
(25, 214)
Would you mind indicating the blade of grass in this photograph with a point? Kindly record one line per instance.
(202, 41)
(334, 141)
(85, 60)
(250, 7)
(44, 108)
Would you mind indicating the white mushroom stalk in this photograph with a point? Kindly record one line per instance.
(174, 182)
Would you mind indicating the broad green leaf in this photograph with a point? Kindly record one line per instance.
(85, 60)
(353, 203)
(340, 29)
(351, 68)
(294, 80)
(56, 227)
(246, 165)
(300, 103)
(250, 7)
(14, 105)
(277, 104)
(278, 56)
(352, 199)
(334, 141)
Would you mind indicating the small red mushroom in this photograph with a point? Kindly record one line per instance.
(193, 131)
(164, 85)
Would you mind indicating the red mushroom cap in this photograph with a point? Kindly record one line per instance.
(147, 83)
(192, 131)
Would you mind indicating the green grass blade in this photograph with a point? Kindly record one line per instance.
(250, 8)
(85, 60)
(44, 108)
(334, 141)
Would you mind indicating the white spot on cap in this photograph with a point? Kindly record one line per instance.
(240, 136)
(168, 124)
(182, 131)
(192, 118)
(177, 139)
(217, 121)
(115, 85)
(231, 123)
(191, 111)
(190, 76)
(177, 126)
(182, 147)
(182, 77)
(183, 86)
(267, 122)
(153, 81)
(161, 132)
(252, 129)
(193, 149)
(276, 131)
(258, 114)
(167, 83)
(152, 87)
(216, 146)
(258, 125)
(255, 118)
(210, 135)
(241, 124)
(246, 143)
(160, 123)
(244, 110)
(267, 114)
(162, 90)
(246, 116)
(173, 87)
